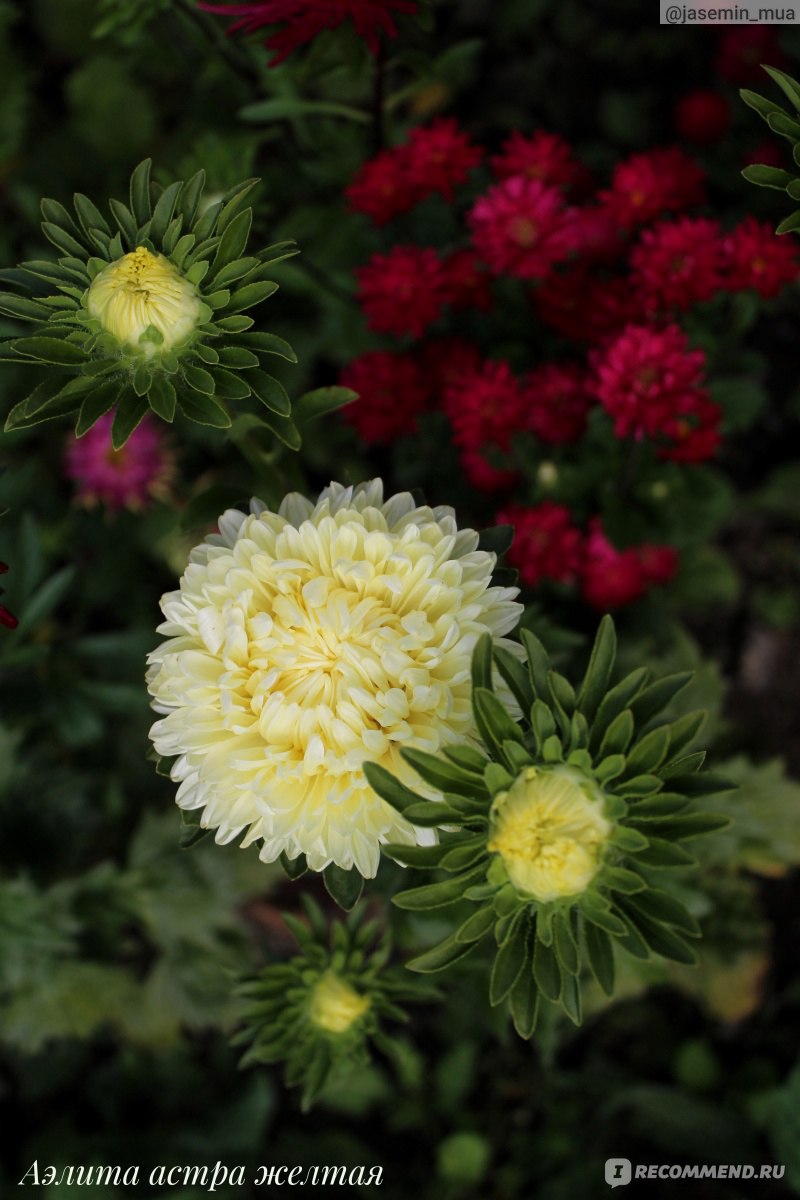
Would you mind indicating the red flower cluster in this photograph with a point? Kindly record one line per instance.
(6, 618)
(741, 51)
(392, 392)
(306, 19)
(548, 546)
(651, 383)
(435, 158)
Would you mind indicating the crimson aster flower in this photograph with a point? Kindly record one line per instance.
(648, 378)
(520, 227)
(677, 264)
(467, 281)
(757, 258)
(383, 188)
(485, 407)
(306, 19)
(644, 186)
(546, 544)
(702, 116)
(403, 291)
(392, 388)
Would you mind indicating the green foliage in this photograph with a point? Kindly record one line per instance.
(786, 126)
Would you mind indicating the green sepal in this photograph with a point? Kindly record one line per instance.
(162, 398)
(510, 960)
(600, 952)
(205, 410)
(524, 1004)
(444, 955)
(598, 672)
(99, 401)
(270, 392)
(546, 971)
(130, 412)
(294, 868)
(345, 887)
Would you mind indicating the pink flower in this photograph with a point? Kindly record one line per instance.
(546, 543)
(543, 156)
(757, 258)
(677, 264)
(558, 399)
(403, 291)
(520, 227)
(306, 19)
(392, 390)
(126, 478)
(645, 186)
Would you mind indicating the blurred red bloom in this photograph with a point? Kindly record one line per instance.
(392, 393)
(520, 227)
(741, 51)
(702, 116)
(383, 188)
(485, 407)
(558, 399)
(467, 281)
(582, 306)
(403, 291)
(677, 264)
(444, 360)
(6, 618)
(546, 544)
(306, 19)
(547, 157)
(611, 578)
(645, 186)
(755, 257)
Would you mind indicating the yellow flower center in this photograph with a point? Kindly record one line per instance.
(335, 1006)
(549, 828)
(143, 300)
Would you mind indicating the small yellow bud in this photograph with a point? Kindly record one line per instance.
(335, 1006)
(549, 829)
(143, 300)
(547, 475)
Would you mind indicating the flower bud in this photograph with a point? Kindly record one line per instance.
(144, 301)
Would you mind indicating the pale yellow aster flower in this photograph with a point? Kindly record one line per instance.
(549, 828)
(144, 301)
(302, 643)
(335, 1005)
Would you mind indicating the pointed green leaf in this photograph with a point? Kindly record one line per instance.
(598, 672)
(162, 397)
(345, 887)
(600, 951)
(99, 401)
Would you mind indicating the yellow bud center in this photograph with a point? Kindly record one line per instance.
(335, 1006)
(549, 829)
(143, 300)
